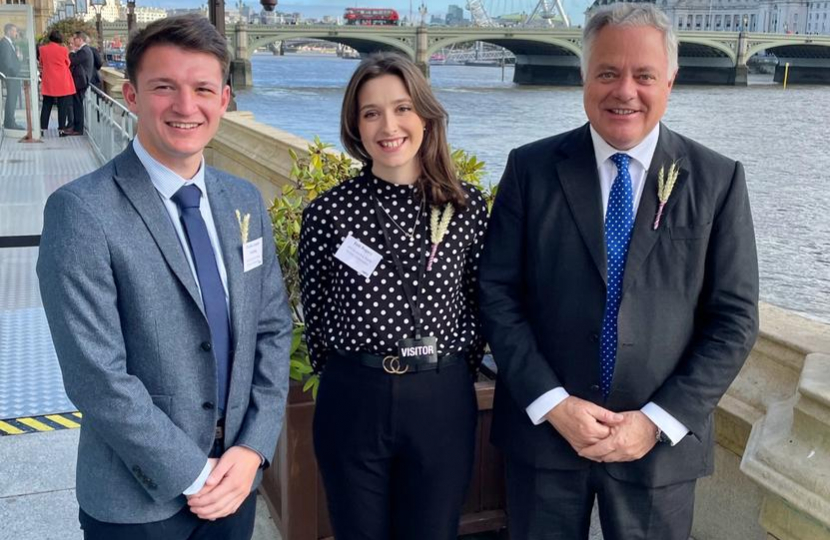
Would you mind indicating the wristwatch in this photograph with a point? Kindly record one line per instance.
(662, 437)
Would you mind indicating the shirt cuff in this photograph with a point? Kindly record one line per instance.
(546, 403)
(196, 486)
(667, 423)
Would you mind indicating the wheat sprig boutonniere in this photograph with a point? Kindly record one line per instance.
(244, 222)
(665, 185)
(438, 224)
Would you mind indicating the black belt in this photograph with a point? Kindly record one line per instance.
(397, 366)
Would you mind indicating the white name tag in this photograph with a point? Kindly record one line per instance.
(252, 254)
(358, 256)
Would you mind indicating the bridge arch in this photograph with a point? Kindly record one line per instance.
(700, 44)
(512, 44)
(797, 47)
(361, 44)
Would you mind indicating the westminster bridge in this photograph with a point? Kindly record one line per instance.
(544, 56)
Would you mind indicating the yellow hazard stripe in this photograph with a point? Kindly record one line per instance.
(63, 421)
(10, 429)
(77, 414)
(31, 422)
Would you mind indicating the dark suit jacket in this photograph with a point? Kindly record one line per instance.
(82, 66)
(688, 317)
(9, 62)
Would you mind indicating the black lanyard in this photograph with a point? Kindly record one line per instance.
(422, 267)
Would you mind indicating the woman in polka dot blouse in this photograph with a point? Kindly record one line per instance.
(388, 264)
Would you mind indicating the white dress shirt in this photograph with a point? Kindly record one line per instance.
(638, 168)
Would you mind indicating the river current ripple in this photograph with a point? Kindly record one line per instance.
(780, 136)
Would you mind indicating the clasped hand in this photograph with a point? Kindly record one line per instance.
(228, 485)
(602, 435)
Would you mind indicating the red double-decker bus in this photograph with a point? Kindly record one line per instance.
(371, 16)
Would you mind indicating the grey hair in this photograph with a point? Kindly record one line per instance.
(629, 14)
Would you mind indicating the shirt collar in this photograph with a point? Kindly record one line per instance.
(165, 180)
(642, 153)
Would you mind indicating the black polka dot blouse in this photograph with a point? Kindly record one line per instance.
(343, 310)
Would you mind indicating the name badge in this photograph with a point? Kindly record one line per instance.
(358, 256)
(252, 254)
(418, 351)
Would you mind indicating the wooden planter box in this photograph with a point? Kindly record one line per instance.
(294, 491)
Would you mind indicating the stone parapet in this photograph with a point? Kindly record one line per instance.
(254, 151)
(112, 81)
(772, 417)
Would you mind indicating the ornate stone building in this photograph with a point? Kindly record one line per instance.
(770, 16)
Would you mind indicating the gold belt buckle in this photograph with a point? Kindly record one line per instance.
(392, 365)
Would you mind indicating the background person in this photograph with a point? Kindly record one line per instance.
(616, 323)
(82, 66)
(10, 67)
(396, 339)
(56, 85)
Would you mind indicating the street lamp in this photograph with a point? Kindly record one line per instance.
(746, 20)
(130, 18)
(98, 5)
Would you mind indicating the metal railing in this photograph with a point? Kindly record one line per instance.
(109, 125)
(2, 109)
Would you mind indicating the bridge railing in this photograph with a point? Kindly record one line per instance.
(109, 125)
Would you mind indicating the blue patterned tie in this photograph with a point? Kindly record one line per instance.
(213, 293)
(619, 220)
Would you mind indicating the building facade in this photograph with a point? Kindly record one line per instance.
(769, 16)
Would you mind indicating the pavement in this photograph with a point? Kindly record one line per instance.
(37, 489)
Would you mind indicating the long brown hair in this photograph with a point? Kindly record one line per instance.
(438, 182)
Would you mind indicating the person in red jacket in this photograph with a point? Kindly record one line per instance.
(56, 81)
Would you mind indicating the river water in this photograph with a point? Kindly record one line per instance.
(780, 136)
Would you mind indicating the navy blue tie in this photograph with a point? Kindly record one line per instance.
(619, 220)
(213, 293)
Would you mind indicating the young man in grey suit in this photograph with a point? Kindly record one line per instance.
(618, 312)
(167, 309)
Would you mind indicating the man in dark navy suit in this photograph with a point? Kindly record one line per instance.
(619, 290)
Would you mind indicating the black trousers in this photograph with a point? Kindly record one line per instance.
(78, 110)
(546, 504)
(184, 525)
(395, 451)
(12, 96)
(64, 111)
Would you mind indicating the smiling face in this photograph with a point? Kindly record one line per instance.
(179, 98)
(627, 83)
(390, 129)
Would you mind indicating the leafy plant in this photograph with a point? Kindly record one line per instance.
(312, 175)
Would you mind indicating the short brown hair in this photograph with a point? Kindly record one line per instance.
(191, 32)
(439, 182)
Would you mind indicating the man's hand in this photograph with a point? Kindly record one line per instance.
(581, 422)
(228, 485)
(629, 440)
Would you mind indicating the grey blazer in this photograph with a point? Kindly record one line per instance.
(132, 339)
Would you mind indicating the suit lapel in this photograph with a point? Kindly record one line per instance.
(132, 178)
(227, 228)
(580, 183)
(643, 237)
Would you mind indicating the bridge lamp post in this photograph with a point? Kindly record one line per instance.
(130, 18)
(97, 5)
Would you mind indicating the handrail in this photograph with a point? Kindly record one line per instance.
(2, 110)
(109, 125)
